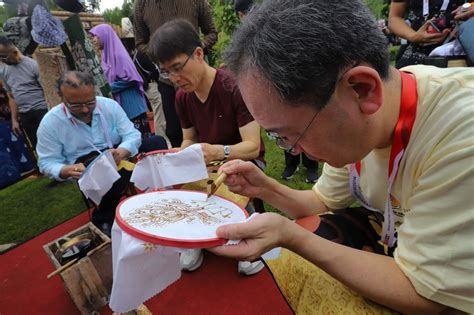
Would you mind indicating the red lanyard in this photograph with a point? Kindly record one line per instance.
(401, 137)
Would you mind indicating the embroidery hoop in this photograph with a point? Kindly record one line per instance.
(141, 156)
(156, 152)
(159, 235)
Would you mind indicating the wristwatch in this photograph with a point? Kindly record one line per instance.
(226, 152)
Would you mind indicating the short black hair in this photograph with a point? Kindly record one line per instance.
(302, 46)
(5, 41)
(172, 39)
(74, 79)
(243, 5)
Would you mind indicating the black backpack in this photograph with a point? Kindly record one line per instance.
(148, 70)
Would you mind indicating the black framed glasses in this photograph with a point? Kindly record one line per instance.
(79, 106)
(282, 142)
(176, 70)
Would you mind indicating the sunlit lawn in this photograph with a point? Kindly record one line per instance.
(30, 207)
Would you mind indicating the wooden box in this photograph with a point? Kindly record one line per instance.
(88, 279)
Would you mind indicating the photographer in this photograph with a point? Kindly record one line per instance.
(427, 26)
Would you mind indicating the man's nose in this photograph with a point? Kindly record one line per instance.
(296, 150)
(174, 78)
(85, 109)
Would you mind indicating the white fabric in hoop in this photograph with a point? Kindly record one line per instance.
(177, 215)
(143, 268)
(165, 170)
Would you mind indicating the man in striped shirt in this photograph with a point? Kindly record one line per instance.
(149, 15)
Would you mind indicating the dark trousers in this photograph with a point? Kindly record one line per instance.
(141, 124)
(353, 227)
(294, 160)
(105, 211)
(173, 126)
(30, 122)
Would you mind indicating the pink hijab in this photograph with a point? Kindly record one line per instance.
(116, 61)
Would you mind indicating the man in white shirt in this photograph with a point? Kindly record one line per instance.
(73, 133)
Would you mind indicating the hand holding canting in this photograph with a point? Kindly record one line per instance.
(210, 152)
(245, 178)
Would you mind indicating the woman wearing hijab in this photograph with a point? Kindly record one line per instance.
(123, 77)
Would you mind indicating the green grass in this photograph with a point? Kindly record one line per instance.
(393, 50)
(30, 207)
(275, 159)
(276, 164)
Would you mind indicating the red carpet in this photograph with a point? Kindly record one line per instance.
(216, 288)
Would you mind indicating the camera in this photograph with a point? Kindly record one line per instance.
(437, 25)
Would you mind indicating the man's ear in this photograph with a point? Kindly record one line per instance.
(199, 53)
(367, 86)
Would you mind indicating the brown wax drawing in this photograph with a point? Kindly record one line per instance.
(169, 211)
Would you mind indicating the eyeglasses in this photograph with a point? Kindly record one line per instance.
(176, 70)
(79, 106)
(282, 143)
